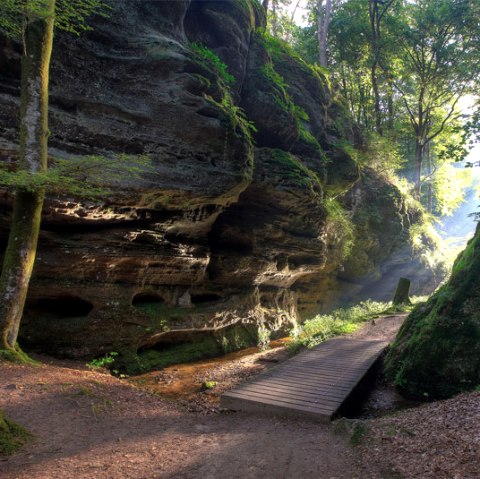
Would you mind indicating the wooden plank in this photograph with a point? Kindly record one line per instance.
(288, 393)
(295, 381)
(319, 377)
(317, 389)
(274, 409)
(340, 385)
(287, 403)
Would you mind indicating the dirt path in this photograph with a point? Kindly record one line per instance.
(89, 425)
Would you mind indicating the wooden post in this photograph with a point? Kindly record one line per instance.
(402, 293)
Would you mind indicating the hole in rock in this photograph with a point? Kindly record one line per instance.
(143, 299)
(63, 306)
(204, 298)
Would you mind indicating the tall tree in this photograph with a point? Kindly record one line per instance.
(377, 10)
(22, 241)
(323, 24)
(439, 64)
(33, 22)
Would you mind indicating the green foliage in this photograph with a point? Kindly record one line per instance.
(339, 227)
(237, 121)
(449, 185)
(84, 177)
(436, 254)
(383, 155)
(263, 338)
(360, 430)
(211, 61)
(70, 16)
(12, 436)
(235, 115)
(104, 362)
(341, 321)
(208, 385)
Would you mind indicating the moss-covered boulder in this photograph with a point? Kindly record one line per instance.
(437, 351)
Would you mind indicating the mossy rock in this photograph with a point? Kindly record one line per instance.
(288, 171)
(12, 436)
(437, 351)
(210, 345)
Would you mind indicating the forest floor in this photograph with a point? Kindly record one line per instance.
(89, 425)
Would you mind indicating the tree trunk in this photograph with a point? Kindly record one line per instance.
(375, 32)
(23, 237)
(323, 25)
(402, 293)
(390, 121)
(274, 19)
(430, 179)
(418, 168)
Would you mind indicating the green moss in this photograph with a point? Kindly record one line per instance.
(437, 351)
(291, 170)
(161, 314)
(211, 345)
(340, 228)
(17, 356)
(238, 337)
(12, 436)
(254, 9)
(151, 359)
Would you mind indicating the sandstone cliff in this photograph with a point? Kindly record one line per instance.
(228, 234)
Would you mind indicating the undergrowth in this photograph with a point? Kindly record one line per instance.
(341, 321)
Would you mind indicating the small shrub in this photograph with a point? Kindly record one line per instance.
(208, 385)
(205, 56)
(104, 361)
(358, 434)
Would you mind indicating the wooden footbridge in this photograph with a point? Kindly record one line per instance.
(314, 383)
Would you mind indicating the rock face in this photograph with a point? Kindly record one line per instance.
(437, 351)
(227, 228)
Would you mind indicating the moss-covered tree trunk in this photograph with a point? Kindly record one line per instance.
(22, 241)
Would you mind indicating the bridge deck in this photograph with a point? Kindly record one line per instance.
(314, 383)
